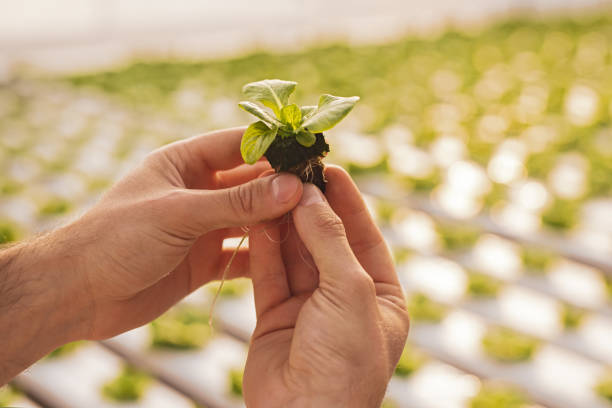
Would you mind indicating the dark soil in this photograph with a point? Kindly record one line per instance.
(286, 154)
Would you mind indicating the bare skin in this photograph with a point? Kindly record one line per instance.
(322, 318)
(157, 235)
(152, 239)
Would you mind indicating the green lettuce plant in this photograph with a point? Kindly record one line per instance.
(456, 237)
(66, 349)
(235, 381)
(128, 386)
(508, 346)
(410, 361)
(421, 308)
(498, 396)
(288, 135)
(536, 260)
(571, 317)
(181, 328)
(482, 286)
(8, 394)
(604, 387)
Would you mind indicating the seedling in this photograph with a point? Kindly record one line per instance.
(235, 381)
(55, 206)
(456, 237)
(571, 317)
(66, 349)
(181, 329)
(536, 260)
(561, 215)
(608, 282)
(498, 396)
(410, 361)
(289, 136)
(421, 308)
(508, 346)
(604, 387)
(389, 403)
(482, 286)
(8, 233)
(232, 289)
(8, 394)
(128, 386)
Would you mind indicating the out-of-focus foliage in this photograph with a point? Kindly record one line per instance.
(7, 395)
(561, 215)
(482, 286)
(235, 381)
(410, 361)
(66, 349)
(128, 386)
(571, 317)
(184, 327)
(389, 403)
(544, 83)
(231, 288)
(508, 346)
(8, 233)
(498, 396)
(604, 387)
(421, 308)
(457, 237)
(536, 260)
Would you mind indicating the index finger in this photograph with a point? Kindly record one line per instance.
(364, 237)
(198, 158)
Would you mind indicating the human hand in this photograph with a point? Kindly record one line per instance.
(330, 336)
(157, 234)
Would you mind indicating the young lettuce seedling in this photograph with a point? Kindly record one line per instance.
(290, 137)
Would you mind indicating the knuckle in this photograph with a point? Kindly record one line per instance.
(362, 284)
(167, 204)
(242, 199)
(330, 224)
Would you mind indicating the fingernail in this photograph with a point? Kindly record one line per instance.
(284, 186)
(311, 195)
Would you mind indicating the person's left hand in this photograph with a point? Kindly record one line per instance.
(157, 234)
(331, 314)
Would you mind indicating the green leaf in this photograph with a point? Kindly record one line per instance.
(256, 140)
(292, 115)
(255, 110)
(307, 111)
(305, 138)
(273, 93)
(331, 110)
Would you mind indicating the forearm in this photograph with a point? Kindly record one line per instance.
(41, 302)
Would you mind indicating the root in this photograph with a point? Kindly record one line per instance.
(286, 237)
(286, 220)
(223, 278)
(307, 173)
(299, 248)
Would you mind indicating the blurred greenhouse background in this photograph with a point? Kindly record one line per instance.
(482, 143)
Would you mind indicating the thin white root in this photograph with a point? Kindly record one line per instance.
(308, 172)
(299, 248)
(225, 271)
(285, 220)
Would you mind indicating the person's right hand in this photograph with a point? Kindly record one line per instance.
(330, 336)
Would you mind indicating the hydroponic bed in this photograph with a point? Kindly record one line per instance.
(486, 159)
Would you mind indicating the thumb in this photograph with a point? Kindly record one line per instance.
(322, 232)
(258, 200)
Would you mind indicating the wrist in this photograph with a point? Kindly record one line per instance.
(42, 300)
(364, 391)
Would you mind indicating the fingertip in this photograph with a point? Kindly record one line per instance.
(266, 173)
(338, 179)
(286, 188)
(310, 195)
